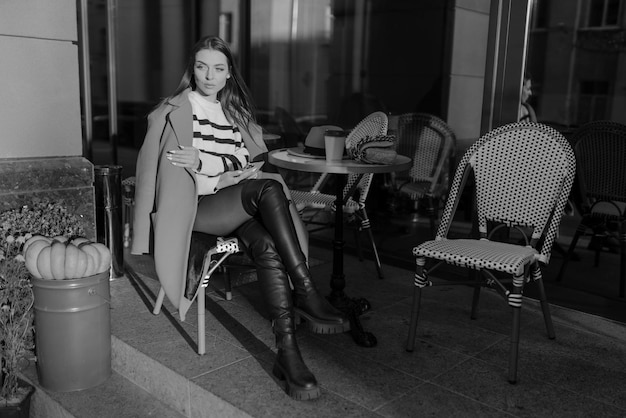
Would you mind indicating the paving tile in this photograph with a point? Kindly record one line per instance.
(433, 400)
(485, 383)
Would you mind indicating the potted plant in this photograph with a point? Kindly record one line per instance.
(16, 293)
(16, 326)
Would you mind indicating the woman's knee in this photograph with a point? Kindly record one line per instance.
(256, 190)
(258, 242)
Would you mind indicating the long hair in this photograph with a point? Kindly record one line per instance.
(235, 97)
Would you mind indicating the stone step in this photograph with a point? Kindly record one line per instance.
(118, 397)
(166, 384)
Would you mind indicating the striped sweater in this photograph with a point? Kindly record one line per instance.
(219, 142)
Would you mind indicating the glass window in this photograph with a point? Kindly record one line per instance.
(540, 14)
(577, 70)
(603, 13)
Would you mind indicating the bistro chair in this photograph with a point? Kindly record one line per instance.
(354, 193)
(600, 149)
(291, 133)
(430, 142)
(196, 284)
(523, 173)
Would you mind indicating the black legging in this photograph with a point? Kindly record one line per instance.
(221, 213)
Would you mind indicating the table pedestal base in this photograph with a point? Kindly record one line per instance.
(353, 308)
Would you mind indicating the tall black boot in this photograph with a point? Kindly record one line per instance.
(289, 365)
(321, 317)
(267, 199)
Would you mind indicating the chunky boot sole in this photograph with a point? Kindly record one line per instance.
(296, 392)
(319, 326)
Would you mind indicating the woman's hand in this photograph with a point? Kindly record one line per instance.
(230, 178)
(186, 157)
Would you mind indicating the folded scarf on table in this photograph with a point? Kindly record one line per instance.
(378, 149)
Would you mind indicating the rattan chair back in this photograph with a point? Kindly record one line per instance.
(430, 142)
(512, 183)
(600, 149)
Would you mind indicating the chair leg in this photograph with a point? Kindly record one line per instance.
(515, 302)
(475, 277)
(420, 281)
(415, 216)
(545, 306)
(579, 231)
(357, 241)
(514, 348)
(208, 268)
(159, 302)
(622, 263)
(596, 257)
(365, 225)
(201, 321)
(228, 288)
(415, 311)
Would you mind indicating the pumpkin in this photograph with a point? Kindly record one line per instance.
(71, 261)
(31, 253)
(79, 240)
(43, 263)
(81, 265)
(60, 238)
(105, 255)
(94, 254)
(32, 240)
(59, 258)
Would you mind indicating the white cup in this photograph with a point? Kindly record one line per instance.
(335, 143)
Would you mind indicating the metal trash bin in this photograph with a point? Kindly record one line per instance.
(73, 332)
(109, 221)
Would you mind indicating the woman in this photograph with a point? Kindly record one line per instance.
(192, 176)
(526, 111)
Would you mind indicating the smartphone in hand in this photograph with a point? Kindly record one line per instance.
(256, 166)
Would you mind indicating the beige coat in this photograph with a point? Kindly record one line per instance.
(165, 195)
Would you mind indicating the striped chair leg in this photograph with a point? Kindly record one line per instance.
(622, 262)
(420, 281)
(366, 226)
(545, 306)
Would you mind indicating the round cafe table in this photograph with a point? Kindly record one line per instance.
(297, 161)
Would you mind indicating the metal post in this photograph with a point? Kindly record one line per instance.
(86, 81)
(112, 75)
(109, 223)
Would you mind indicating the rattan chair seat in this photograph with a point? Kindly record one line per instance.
(479, 254)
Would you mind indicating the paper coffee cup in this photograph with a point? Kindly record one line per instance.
(335, 143)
